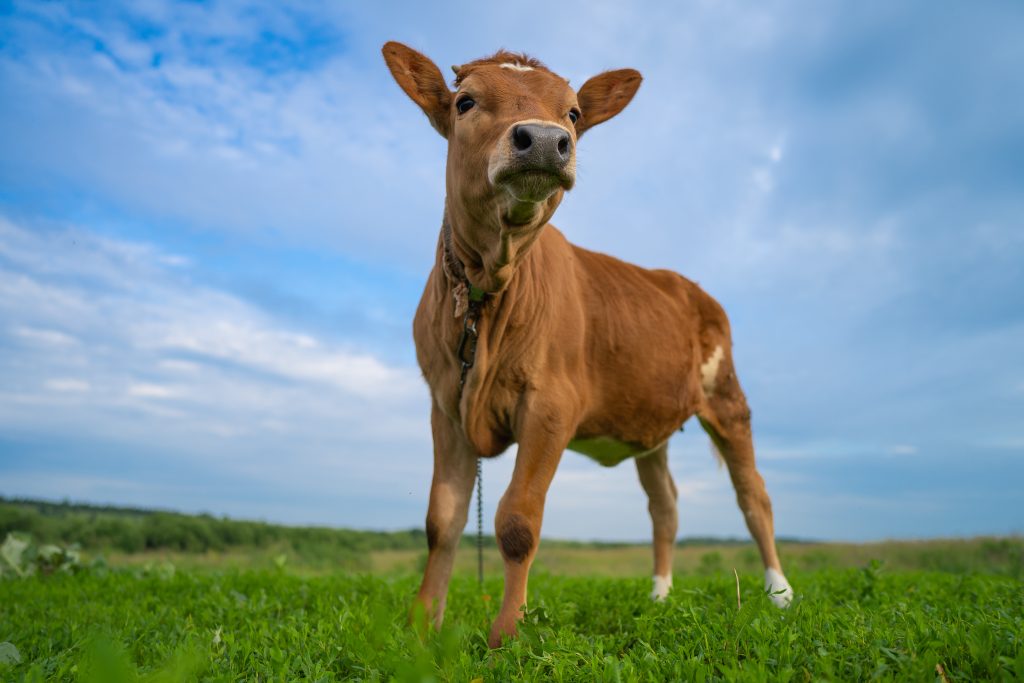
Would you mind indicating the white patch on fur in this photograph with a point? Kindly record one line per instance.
(709, 370)
(774, 582)
(662, 585)
(516, 66)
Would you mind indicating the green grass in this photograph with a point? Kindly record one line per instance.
(207, 599)
(852, 624)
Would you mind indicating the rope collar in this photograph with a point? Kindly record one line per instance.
(469, 302)
(463, 290)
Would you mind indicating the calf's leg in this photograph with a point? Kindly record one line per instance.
(450, 493)
(661, 503)
(726, 419)
(520, 513)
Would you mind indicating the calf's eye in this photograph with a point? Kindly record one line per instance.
(574, 115)
(465, 104)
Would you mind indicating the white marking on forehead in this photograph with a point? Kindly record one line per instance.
(516, 66)
(709, 370)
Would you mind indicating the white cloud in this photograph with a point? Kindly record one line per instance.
(118, 321)
(67, 384)
(152, 391)
(45, 337)
(223, 144)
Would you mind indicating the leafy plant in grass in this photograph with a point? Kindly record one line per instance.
(20, 557)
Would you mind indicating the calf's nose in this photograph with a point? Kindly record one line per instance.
(540, 146)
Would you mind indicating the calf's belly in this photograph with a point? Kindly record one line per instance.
(608, 451)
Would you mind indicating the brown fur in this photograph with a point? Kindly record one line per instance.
(573, 344)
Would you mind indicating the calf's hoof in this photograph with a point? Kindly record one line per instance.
(778, 588)
(502, 628)
(425, 617)
(661, 588)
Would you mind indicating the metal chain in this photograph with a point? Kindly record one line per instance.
(467, 356)
(466, 353)
(480, 521)
(467, 342)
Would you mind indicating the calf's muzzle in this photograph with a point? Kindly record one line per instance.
(532, 160)
(541, 147)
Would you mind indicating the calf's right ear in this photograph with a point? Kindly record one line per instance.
(422, 81)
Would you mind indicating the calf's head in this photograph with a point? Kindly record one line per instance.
(512, 127)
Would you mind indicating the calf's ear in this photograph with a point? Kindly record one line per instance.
(605, 95)
(422, 81)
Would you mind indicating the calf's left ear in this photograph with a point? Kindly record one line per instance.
(422, 82)
(605, 95)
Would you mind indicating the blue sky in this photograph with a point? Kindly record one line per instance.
(216, 219)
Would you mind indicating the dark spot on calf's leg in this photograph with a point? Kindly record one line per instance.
(515, 538)
(432, 534)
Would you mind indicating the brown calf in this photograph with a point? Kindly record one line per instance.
(574, 349)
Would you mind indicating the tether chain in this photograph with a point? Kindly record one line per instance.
(467, 356)
(479, 521)
(466, 353)
(467, 342)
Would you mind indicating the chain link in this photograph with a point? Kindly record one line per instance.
(467, 357)
(466, 354)
(467, 342)
(480, 521)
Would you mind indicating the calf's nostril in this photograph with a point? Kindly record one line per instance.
(563, 145)
(521, 138)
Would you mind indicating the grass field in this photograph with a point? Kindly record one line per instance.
(291, 607)
(850, 624)
(588, 560)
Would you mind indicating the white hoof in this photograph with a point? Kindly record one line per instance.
(778, 589)
(662, 585)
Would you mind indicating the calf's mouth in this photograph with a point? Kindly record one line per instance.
(533, 160)
(533, 185)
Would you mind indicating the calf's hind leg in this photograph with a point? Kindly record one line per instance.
(726, 419)
(661, 503)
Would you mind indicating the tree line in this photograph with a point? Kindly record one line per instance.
(132, 530)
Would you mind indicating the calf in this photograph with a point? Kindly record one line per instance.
(525, 338)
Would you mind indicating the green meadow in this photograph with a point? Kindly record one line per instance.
(283, 604)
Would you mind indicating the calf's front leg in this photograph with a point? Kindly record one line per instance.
(450, 493)
(520, 513)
